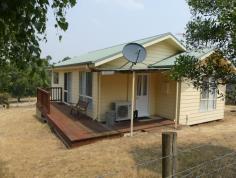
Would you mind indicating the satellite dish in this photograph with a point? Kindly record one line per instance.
(134, 52)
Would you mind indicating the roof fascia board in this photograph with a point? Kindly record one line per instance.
(165, 38)
(72, 67)
(204, 56)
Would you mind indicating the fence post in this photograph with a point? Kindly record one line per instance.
(169, 152)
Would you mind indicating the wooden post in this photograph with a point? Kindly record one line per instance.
(48, 102)
(169, 153)
(177, 105)
(132, 104)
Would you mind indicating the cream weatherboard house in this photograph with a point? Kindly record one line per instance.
(103, 77)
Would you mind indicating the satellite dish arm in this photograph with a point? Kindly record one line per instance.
(138, 56)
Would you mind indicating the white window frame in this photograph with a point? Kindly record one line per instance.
(82, 94)
(211, 97)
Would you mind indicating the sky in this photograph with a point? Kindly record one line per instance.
(96, 24)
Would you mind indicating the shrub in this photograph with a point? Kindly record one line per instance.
(4, 99)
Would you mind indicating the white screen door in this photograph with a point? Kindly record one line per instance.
(142, 95)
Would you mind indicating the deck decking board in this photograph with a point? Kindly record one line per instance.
(80, 130)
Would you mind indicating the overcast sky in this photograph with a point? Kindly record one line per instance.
(95, 24)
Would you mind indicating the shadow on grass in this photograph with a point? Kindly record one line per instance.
(4, 171)
(205, 161)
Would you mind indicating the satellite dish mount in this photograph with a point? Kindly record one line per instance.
(134, 53)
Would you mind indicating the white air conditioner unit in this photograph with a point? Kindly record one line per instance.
(123, 110)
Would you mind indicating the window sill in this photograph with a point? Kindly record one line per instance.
(210, 110)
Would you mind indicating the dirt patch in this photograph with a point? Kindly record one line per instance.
(29, 149)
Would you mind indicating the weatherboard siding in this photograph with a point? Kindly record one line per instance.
(160, 51)
(94, 112)
(190, 113)
(75, 86)
(156, 52)
(166, 97)
(113, 88)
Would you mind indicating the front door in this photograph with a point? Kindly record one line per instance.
(67, 87)
(142, 95)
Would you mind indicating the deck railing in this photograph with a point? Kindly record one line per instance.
(45, 96)
(55, 93)
(43, 100)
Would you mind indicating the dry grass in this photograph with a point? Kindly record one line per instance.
(29, 149)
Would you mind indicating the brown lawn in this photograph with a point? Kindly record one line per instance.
(29, 149)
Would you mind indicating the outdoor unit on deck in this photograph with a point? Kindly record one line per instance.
(122, 110)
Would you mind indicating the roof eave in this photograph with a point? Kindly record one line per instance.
(73, 65)
(162, 67)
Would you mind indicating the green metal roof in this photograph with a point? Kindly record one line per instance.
(170, 61)
(98, 55)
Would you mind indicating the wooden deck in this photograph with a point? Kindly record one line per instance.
(76, 131)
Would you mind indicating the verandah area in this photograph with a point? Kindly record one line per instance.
(76, 130)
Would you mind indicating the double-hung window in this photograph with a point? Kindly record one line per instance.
(85, 88)
(208, 97)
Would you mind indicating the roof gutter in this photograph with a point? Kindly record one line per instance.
(161, 67)
(72, 65)
(126, 70)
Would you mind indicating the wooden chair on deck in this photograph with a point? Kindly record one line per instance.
(80, 106)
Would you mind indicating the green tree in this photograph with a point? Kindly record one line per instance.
(18, 84)
(213, 25)
(23, 25)
(23, 82)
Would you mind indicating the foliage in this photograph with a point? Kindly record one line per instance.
(19, 82)
(4, 99)
(214, 66)
(231, 94)
(23, 25)
(213, 25)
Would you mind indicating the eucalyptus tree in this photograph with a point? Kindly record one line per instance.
(23, 26)
(213, 25)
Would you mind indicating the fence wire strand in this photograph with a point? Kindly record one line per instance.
(189, 172)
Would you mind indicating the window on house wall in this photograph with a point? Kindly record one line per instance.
(55, 78)
(85, 88)
(208, 97)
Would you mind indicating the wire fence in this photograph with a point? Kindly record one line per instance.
(204, 161)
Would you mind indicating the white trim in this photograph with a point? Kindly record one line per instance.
(147, 94)
(214, 100)
(107, 60)
(71, 67)
(207, 55)
(145, 45)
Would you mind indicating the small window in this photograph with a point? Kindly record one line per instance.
(55, 78)
(208, 97)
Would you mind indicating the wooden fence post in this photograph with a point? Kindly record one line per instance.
(169, 152)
